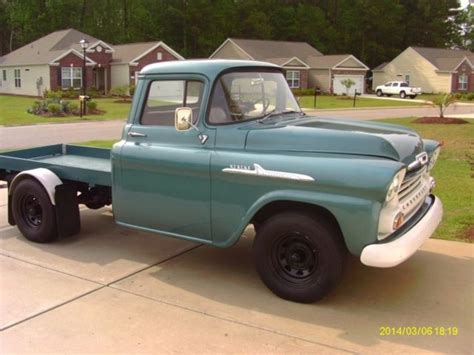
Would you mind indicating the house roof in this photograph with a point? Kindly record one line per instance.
(328, 61)
(380, 66)
(279, 51)
(444, 59)
(125, 53)
(285, 53)
(47, 48)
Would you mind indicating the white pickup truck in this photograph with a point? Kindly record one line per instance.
(400, 88)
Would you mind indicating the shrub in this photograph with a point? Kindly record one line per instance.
(131, 90)
(91, 106)
(120, 91)
(470, 96)
(54, 96)
(458, 95)
(441, 102)
(54, 108)
(73, 107)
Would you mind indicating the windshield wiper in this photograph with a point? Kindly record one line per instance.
(273, 113)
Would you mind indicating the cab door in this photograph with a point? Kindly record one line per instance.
(165, 179)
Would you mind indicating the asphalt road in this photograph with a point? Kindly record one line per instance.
(111, 290)
(43, 134)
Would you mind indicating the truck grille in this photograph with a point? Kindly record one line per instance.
(412, 193)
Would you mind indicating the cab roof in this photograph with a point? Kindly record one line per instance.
(209, 67)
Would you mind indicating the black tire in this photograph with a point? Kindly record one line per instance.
(33, 212)
(379, 93)
(403, 94)
(298, 257)
(412, 96)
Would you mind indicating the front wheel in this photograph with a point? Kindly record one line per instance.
(403, 94)
(298, 257)
(379, 93)
(33, 212)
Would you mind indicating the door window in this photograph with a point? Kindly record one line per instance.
(165, 96)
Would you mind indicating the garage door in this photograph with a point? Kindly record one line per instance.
(340, 89)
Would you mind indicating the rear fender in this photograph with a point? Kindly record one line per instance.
(62, 196)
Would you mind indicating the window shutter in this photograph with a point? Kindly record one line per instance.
(59, 84)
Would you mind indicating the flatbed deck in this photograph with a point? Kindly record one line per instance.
(68, 162)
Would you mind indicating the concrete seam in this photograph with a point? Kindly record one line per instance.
(102, 286)
(269, 330)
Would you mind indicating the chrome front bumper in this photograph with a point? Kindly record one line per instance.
(395, 252)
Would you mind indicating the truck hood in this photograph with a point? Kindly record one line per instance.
(336, 136)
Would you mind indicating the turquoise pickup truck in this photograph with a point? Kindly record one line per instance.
(213, 146)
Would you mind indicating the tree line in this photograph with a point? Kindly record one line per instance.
(373, 30)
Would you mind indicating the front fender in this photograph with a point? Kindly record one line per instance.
(357, 217)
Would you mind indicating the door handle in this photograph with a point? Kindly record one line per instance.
(136, 134)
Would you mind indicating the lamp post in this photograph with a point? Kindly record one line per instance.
(84, 44)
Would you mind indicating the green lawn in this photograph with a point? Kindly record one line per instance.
(13, 111)
(429, 97)
(454, 174)
(323, 102)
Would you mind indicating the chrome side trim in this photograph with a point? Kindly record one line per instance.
(259, 171)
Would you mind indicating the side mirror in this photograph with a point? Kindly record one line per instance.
(183, 118)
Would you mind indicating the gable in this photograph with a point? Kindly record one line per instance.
(229, 50)
(350, 62)
(295, 62)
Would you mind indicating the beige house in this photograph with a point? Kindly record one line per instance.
(435, 70)
(305, 66)
(56, 61)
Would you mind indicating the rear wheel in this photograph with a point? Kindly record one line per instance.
(379, 93)
(33, 212)
(403, 94)
(412, 96)
(299, 258)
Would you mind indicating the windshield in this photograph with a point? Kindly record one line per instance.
(242, 96)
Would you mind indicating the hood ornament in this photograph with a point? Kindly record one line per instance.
(259, 171)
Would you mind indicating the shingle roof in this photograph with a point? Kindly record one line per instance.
(380, 66)
(265, 50)
(125, 53)
(327, 61)
(47, 48)
(444, 59)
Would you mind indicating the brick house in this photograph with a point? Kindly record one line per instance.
(55, 61)
(435, 70)
(305, 66)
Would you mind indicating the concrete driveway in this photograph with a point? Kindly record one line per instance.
(115, 290)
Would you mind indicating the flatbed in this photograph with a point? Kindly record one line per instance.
(69, 162)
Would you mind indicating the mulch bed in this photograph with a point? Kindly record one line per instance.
(439, 120)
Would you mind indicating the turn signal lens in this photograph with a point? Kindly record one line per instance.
(398, 221)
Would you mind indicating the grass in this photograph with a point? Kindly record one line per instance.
(429, 97)
(454, 174)
(14, 113)
(323, 102)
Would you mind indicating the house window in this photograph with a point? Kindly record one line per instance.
(462, 82)
(4, 75)
(159, 56)
(17, 78)
(293, 78)
(71, 77)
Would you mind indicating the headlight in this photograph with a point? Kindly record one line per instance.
(395, 185)
(433, 158)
